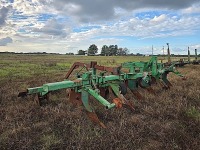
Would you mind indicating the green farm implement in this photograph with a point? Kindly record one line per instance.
(99, 81)
(183, 62)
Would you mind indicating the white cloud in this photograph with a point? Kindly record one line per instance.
(29, 7)
(195, 46)
(159, 26)
(159, 18)
(5, 41)
(3, 15)
(49, 24)
(53, 28)
(95, 11)
(192, 9)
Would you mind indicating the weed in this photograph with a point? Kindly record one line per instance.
(193, 113)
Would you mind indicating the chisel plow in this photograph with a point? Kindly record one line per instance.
(99, 81)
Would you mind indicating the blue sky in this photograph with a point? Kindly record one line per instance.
(62, 26)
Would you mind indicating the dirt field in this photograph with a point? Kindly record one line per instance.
(169, 120)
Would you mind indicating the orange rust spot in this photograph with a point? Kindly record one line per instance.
(75, 98)
(94, 118)
(117, 102)
(184, 78)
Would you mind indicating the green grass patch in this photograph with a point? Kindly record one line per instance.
(50, 140)
(193, 113)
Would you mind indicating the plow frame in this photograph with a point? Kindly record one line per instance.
(97, 84)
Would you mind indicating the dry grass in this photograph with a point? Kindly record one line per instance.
(170, 120)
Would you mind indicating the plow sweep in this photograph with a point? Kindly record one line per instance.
(99, 81)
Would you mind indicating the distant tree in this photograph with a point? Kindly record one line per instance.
(81, 52)
(107, 52)
(111, 50)
(69, 53)
(92, 50)
(116, 47)
(138, 54)
(125, 51)
(104, 50)
(122, 51)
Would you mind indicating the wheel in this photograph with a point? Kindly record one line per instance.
(123, 88)
(142, 83)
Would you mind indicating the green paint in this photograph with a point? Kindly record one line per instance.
(92, 79)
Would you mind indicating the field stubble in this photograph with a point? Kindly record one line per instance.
(169, 120)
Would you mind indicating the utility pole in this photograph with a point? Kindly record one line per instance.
(152, 50)
(163, 55)
(168, 53)
(163, 51)
(189, 55)
(196, 55)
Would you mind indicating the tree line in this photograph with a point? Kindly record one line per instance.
(111, 50)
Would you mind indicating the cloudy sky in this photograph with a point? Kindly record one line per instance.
(63, 26)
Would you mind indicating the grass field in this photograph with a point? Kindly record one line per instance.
(169, 120)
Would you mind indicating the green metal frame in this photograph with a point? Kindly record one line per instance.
(141, 72)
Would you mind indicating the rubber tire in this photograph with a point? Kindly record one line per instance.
(123, 88)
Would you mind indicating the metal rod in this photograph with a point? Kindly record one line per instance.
(168, 53)
(101, 99)
(189, 55)
(196, 55)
